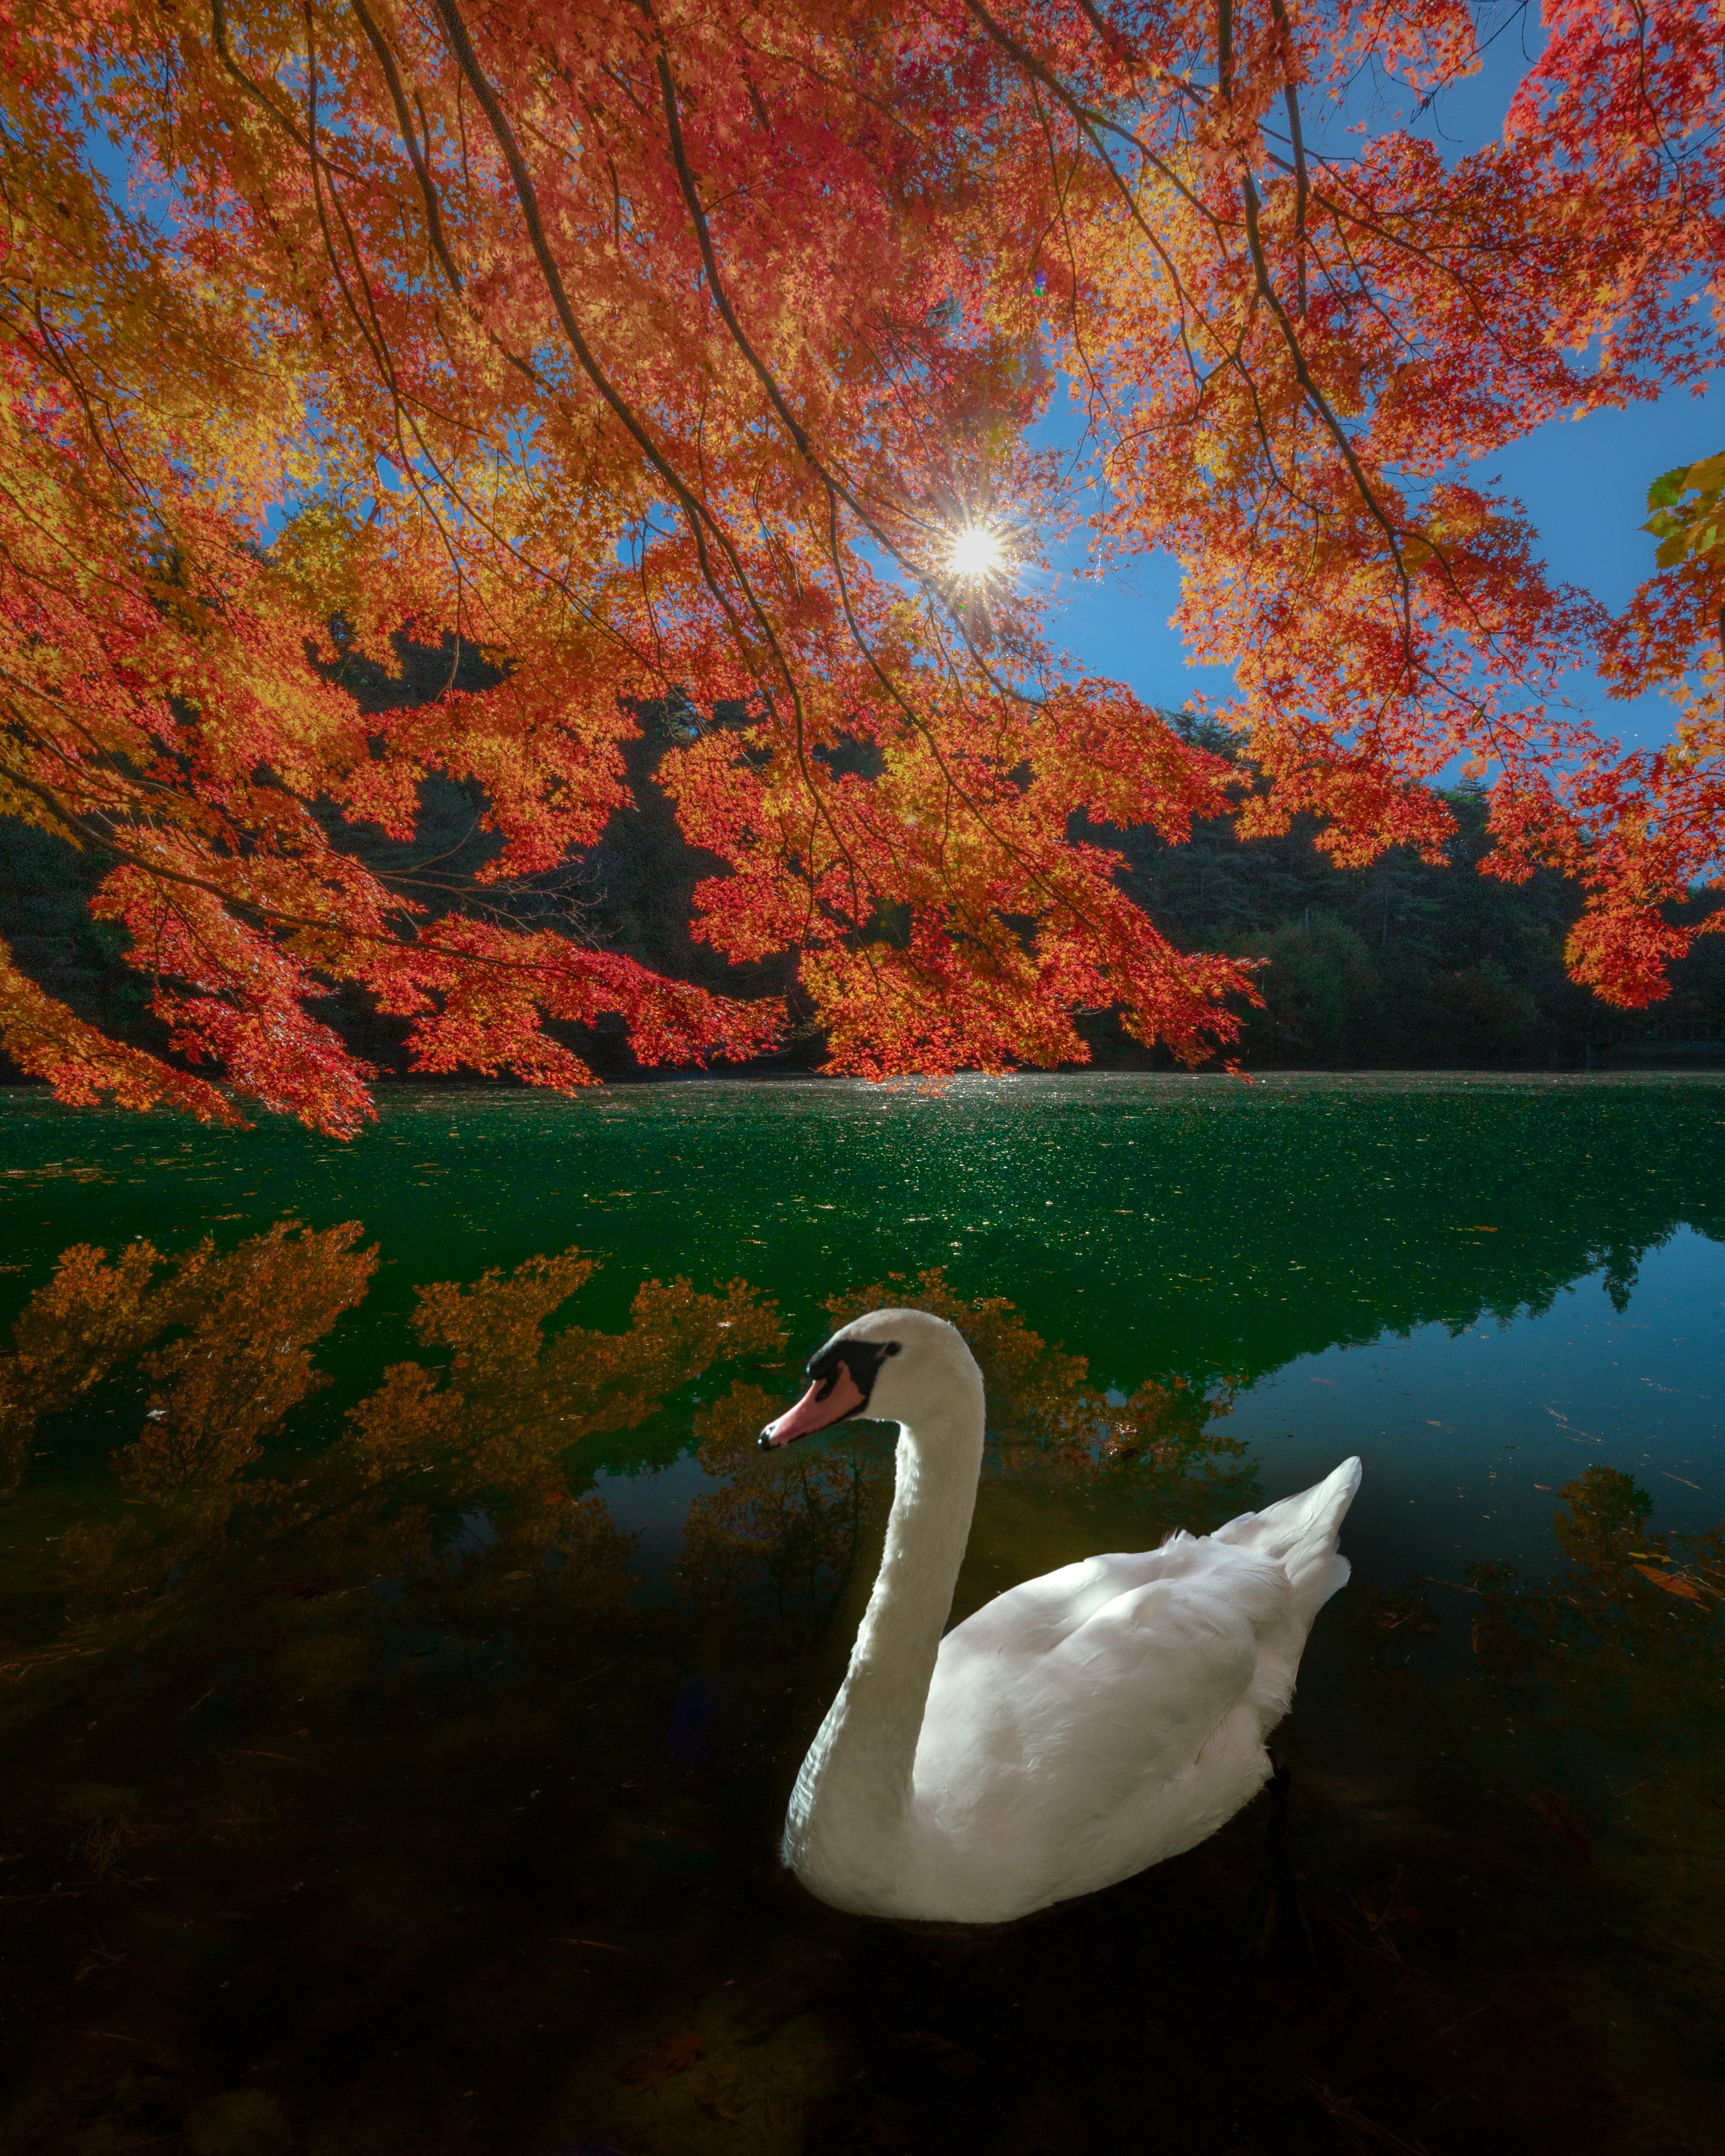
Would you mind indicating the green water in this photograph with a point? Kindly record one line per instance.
(403, 1690)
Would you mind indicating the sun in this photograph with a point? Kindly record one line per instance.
(976, 553)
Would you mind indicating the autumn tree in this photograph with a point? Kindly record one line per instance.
(690, 354)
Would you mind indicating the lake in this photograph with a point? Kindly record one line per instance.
(408, 1654)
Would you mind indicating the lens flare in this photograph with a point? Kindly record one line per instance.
(976, 553)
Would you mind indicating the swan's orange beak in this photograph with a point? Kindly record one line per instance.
(827, 1401)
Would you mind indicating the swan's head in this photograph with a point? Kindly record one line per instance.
(886, 1366)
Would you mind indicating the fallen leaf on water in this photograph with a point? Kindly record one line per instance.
(674, 2056)
(1673, 1583)
(717, 2101)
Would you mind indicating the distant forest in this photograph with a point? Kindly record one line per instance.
(1399, 966)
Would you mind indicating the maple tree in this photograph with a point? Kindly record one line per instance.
(676, 354)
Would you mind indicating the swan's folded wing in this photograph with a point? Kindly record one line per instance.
(1036, 1615)
(1030, 1708)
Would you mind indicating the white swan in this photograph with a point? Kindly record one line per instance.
(1075, 1729)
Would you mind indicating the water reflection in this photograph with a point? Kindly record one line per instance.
(1044, 1407)
(1622, 1654)
(781, 1534)
(355, 1795)
(1619, 1656)
(244, 1323)
(1152, 1224)
(225, 1344)
(1633, 1614)
(778, 1536)
(244, 1320)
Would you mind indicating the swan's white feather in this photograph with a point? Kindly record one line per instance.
(1073, 1730)
(1065, 1716)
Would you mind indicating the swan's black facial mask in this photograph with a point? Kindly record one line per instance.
(862, 1358)
(842, 1381)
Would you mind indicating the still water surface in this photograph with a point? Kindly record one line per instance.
(408, 1654)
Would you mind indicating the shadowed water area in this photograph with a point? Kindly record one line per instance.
(406, 1654)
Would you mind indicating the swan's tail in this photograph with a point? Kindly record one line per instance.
(1299, 1534)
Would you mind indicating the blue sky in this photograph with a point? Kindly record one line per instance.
(1583, 483)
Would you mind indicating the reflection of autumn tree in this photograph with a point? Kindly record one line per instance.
(1610, 1677)
(251, 1316)
(239, 1326)
(496, 1420)
(1042, 1401)
(70, 1335)
(226, 1342)
(782, 1530)
(508, 1400)
(1631, 1643)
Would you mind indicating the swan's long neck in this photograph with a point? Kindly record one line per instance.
(850, 1818)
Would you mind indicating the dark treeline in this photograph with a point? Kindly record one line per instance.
(1400, 965)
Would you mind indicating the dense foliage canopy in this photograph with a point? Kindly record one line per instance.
(676, 354)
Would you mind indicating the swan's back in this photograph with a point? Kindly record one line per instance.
(1103, 1716)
